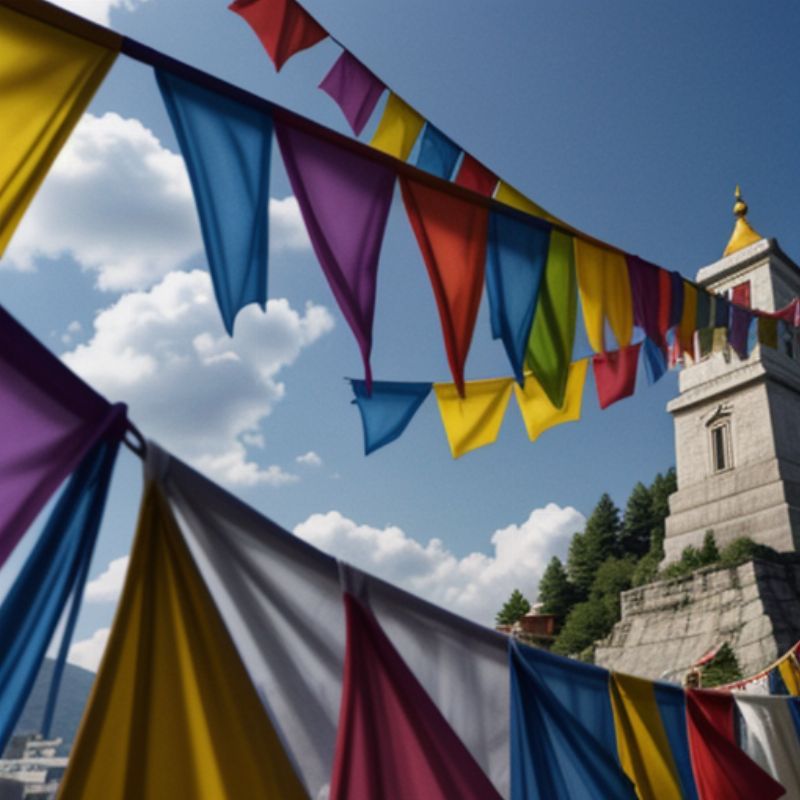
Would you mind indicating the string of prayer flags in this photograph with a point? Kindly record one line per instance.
(226, 145)
(538, 412)
(398, 128)
(354, 89)
(671, 700)
(282, 26)
(789, 671)
(553, 334)
(345, 201)
(392, 739)
(515, 261)
(513, 197)
(451, 234)
(48, 78)
(605, 292)
(474, 176)
(472, 419)
(437, 153)
(387, 409)
(615, 374)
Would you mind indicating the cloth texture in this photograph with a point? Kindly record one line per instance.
(615, 374)
(354, 89)
(437, 153)
(398, 128)
(688, 318)
(646, 289)
(474, 176)
(671, 701)
(655, 361)
(513, 197)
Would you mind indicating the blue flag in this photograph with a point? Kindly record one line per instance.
(515, 261)
(387, 410)
(226, 145)
(437, 153)
(671, 700)
(655, 362)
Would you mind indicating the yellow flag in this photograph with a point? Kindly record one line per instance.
(398, 129)
(539, 413)
(605, 292)
(688, 318)
(790, 672)
(47, 77)
(474, 420)
(642, 744)
(513, 197)
(173, 712)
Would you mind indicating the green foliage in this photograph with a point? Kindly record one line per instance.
(724, 668)
(646, 570)
(741, 550)
(556, 594)
(587, 622)
(709, 554)
(660, 490)
(737, 552)
(599, 541)
(615, 575)
(515, 607)
(639, 522)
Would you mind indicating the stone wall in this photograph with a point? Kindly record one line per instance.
(668, 625)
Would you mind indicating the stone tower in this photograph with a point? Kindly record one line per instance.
(737, 423)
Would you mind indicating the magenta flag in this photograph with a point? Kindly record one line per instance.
(345, 199)
(49, 420)
(354, 89)
(392, 741)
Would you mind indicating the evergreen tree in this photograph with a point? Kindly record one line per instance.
(614, 576)
(599, 541)
(586, 623)
(723, 668)
(556, 593)
(708, 552)
(639, 522)
(660, 490)
(580, 569)
(515, 607)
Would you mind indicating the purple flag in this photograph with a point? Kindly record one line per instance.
(49, 420)
(354, 88)
(345, 199)
(644, 280)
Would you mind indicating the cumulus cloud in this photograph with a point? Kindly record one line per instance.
(120, 204)
(309, 459)
(190, 386)
(106, 587)
(88, 652)
(98, 10)
(476, 585)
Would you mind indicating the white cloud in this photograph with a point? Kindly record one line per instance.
(120, 204)
(88, 652)
(106, 587)
(98, 10)
(309, 459)
(476, 585)
(73, 329)
(190, 386)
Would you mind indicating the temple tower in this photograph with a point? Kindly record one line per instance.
(737, 423)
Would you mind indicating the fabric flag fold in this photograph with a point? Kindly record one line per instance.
(173, 712)
(553, 753)
(615, 374)
(354, 89)
(387, 409)
(48, 78)
(451, 234)
(671, 701)
(282, 26)
(56, 568)
(688, 318)
(605, 292)
(539, 414)
(664, 300)
(703, 310)
(739, 331)
(398, 128)
(553, 332)
(649, 313)
(437, 153)
(226, 145)
(790, 672)
(50, 420)
(392, 740)
(655, 361)
(676, 299)
(473, 175)
(345, 201)
(474, 419)
(515, 261)
(507, 194)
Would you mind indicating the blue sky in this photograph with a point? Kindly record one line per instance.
(630, 121)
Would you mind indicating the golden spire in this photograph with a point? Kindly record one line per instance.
(743, 234)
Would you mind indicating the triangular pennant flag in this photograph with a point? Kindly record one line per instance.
(451, 234)
(539, 413)
(345, 200)
(48, 78)
(226, 145)
(515, 261)
(689, 317)
(642, 743)
(671, 700)
(474, 419)
(655, 362)
(473, 175)
(553, 754)
(605, 294)
(615, 374)
(398, 129)
(437, 153)
(645, 282)
(282, 26)
(393, 742)
(354, 88)
(553, 333)
(387, 409)
(173, 712)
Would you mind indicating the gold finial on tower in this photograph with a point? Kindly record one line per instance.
(743, 233)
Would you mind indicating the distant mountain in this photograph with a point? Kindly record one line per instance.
(76, 683)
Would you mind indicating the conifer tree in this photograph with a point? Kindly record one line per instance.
(515, 607)
(639, 522)
(556, 593)
(599, 541)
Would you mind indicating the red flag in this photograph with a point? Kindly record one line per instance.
(451, 234)
(283, 27)
(393, 742)
(473, 175)
(741, 294)
(721, 769)
(615, 374)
